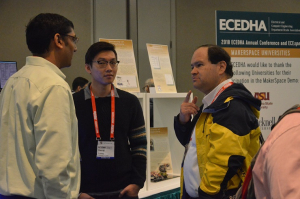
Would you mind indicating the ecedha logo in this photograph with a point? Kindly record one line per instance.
(262, 95)
(242, 25)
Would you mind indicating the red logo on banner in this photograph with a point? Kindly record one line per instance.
(262, 95)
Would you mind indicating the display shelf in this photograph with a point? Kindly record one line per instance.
(161, 187)
(165, 107)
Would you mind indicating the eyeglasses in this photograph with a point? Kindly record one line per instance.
(74, 38)
(103, 63)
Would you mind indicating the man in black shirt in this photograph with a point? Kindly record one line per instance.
(112, 136)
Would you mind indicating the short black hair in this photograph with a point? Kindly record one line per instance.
(96, 48)
(42, 28)
(217, 54)
(79, 81)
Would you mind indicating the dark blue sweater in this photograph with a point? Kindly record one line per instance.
(129, 165)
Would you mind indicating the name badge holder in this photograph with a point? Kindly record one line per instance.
(105, 149)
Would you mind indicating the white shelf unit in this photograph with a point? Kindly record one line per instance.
(165, 107)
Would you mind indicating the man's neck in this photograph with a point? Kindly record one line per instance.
(52, 56)
(223, 78)
(101, 90)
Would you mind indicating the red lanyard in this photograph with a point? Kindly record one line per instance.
(112, 126)
(222, 89)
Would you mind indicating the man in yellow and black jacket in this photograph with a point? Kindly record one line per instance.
(223, 136)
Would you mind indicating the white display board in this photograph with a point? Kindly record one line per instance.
(161, 68)
(126, 78)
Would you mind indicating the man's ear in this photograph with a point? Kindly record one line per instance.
(88, 68)
(58, 41)
(223, 66)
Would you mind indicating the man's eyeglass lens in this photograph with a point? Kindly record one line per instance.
(103, 64)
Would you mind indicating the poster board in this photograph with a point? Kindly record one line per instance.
(265, 53)
(161, 68)
(126, 78)
(160, 156)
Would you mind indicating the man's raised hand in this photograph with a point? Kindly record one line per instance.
(188, 108)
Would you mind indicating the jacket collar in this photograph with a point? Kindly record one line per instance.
(236, 91)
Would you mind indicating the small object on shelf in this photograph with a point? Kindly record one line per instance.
(156, 176)
(163, 170)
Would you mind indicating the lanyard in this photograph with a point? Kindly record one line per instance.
(221, 90)
(112, 126)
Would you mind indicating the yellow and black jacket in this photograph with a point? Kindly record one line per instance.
(227, 137)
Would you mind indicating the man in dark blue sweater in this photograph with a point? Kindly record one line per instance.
(112, 137)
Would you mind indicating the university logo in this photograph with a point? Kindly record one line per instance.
(262, 95)
(266, 124)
